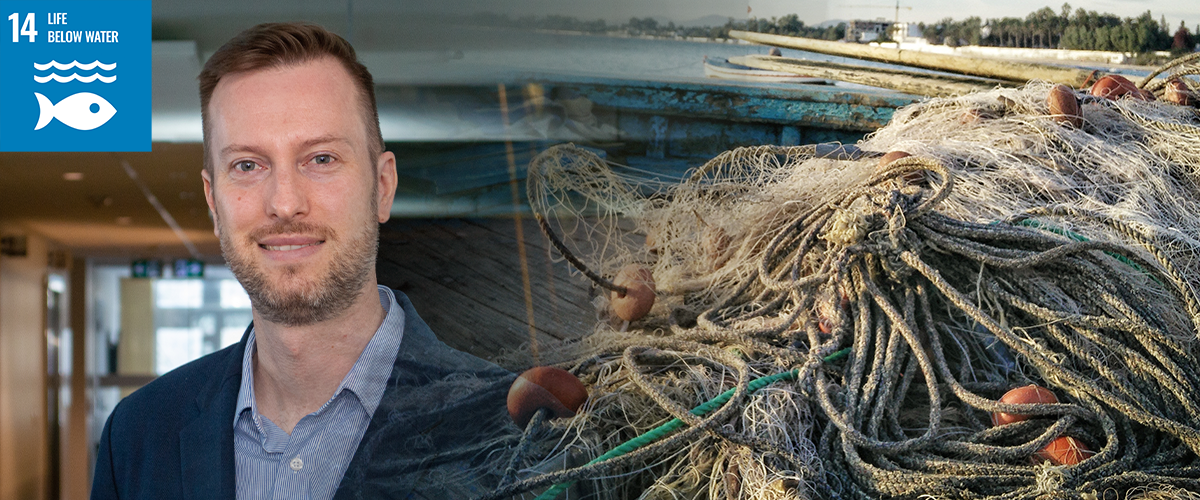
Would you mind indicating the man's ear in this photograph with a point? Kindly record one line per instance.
(208, 196)
(386, 168)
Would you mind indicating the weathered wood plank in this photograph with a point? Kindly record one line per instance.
(496, 276)
(903, 81)
(464, 278)
(991, 68)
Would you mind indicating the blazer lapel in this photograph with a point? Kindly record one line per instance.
(206, 443)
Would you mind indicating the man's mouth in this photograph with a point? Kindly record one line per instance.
(285, 248)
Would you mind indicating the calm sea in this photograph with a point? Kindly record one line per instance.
(504, 54)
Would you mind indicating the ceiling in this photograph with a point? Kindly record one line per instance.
(105, 212)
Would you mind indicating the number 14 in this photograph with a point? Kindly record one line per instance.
(27, 28)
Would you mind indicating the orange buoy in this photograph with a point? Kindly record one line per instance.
(825, 325)
(546, 387)
(892, 156)
(1064, 450)
(972, 116)
(1064, 106)
(1029, 394)
(639, 298)
(1178, 93)
(911, 178)
(1116, 86)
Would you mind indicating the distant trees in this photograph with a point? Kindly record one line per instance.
(954, 33)
(1079, 29)
(1067, 29)
(789, 25)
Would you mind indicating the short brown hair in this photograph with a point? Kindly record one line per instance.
(273, 45)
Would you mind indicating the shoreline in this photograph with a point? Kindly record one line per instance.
(1091, 59)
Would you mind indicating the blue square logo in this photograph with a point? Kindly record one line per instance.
(75, 75)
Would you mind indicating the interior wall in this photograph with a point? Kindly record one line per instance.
(76, 453)
(22, 370)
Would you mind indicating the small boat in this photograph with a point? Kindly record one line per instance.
(722, 68)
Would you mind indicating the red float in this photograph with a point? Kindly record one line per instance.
(546, 387)
(639, 297)
(1064, 450)
(1029, 394)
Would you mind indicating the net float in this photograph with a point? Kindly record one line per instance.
(892, 156)
(974, 115)
(1116, 86)
(546, 387)
(1064, 106)
(639, 296)
(1178, 93)
(909, 178)
(827, 307)
(1030, 394)
(1063, 450)
(825, 325)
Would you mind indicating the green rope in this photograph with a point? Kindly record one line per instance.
(663, 430)
(1036, 224)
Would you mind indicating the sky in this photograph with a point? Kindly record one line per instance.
(815, 11)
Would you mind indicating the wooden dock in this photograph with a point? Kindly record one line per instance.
(464, 276)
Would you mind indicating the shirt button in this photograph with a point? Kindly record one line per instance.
(296, 464)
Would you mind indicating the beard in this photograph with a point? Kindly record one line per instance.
(293, 297)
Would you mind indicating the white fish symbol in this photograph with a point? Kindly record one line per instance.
(75, 111)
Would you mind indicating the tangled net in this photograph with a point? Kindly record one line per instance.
(863, 320)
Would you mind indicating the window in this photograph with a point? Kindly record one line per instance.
(194, 317)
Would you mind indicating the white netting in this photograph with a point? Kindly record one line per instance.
(1009, 248)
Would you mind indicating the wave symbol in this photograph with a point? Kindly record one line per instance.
(74, 64)
(74, 76)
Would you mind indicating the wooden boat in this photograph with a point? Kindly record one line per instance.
(722, 68)
(658, 128)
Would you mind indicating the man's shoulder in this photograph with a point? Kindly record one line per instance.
(179, 391)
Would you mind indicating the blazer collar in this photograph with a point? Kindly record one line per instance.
(206, 443)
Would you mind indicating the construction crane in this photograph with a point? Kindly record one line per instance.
(898, 7)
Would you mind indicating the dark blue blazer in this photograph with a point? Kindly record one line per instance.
(173, 438)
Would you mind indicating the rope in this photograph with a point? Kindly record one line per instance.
(558, 245)
(939, 306)
(1174, 63)
(675, 423)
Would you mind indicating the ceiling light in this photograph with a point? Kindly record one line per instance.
(73, 176)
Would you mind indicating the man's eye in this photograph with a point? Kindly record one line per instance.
(322, 159)
(245, 166)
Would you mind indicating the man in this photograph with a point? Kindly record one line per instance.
(337, 386)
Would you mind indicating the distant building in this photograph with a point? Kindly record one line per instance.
(866, 31)
(907, 33)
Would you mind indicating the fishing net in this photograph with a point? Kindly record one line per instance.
(831, 322)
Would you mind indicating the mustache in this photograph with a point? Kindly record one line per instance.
(291, 227)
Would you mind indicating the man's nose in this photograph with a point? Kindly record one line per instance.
(288, 198)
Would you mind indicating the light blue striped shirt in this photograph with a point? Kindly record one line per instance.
(309, 463)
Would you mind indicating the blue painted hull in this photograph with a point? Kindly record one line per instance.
(661, 129)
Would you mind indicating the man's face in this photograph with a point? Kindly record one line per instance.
(294, 191)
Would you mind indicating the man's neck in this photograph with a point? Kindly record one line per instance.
(297, 368)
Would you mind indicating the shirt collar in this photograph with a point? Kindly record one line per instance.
(367, 379)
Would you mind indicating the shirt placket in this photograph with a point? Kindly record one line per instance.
(294, 467)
